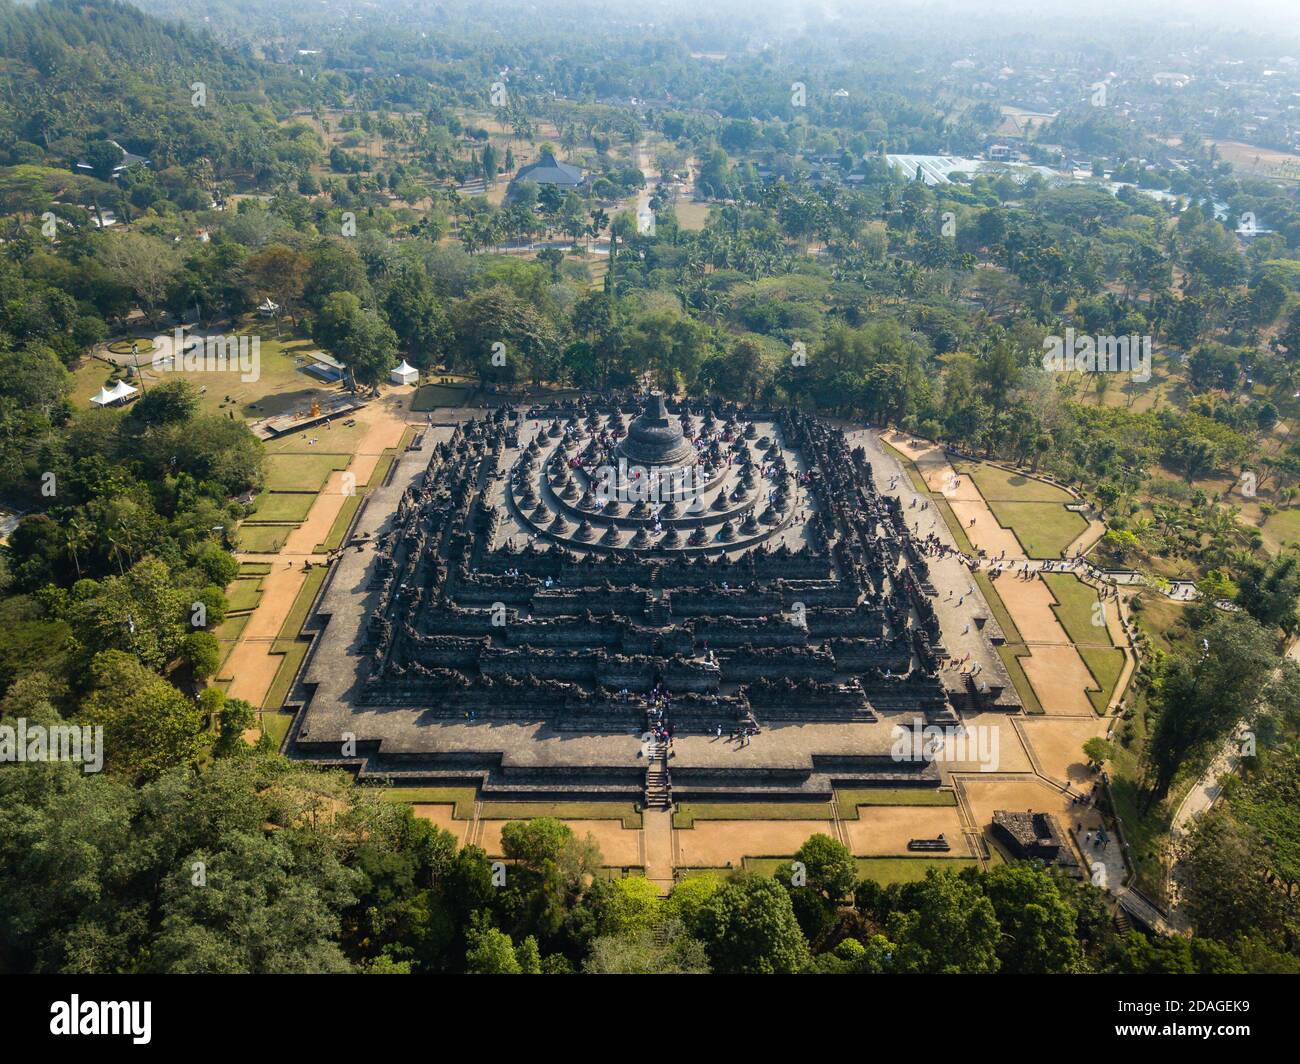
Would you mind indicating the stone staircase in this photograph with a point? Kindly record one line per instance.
(658, 787)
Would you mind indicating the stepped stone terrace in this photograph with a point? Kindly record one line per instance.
(530, 582)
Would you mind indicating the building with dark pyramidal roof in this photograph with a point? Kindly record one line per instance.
(548, 171)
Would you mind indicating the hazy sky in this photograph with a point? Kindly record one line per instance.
(1242, 15)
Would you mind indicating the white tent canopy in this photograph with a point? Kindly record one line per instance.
(120, 392)
(404, 374)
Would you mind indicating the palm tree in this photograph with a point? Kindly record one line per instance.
(117, 553)
(77, 536)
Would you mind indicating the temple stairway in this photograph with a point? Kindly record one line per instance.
(658, 789)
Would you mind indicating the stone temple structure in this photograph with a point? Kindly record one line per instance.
(538, 597)
(655, 439)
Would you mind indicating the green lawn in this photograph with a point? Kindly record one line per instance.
(276, 726)
(1013, 649)
(228, 633)
(302, 472)
(380, 473)
(342, 520)
(884, 870)
(1011, 653)
(297, 615)
(460, 797)
(1105, 664)
(1075, 608)
(263, 539)
(336, 437)
(1006, 486)
(292, 655)
(282, 506)
(432, 396)
(1161, 620)
(624, 811)
(288, 644)
(1282, 529)
(849, 800)
(229, 630)
(281, 386)
(254, 568)
(143, 346)
(954, 526)
(689, 812)
(1044, 529)
(989, 590)
(244, 594)
(463, 800)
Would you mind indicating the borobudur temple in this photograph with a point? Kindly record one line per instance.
(537, 600)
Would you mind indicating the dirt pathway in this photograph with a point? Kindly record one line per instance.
(1054, 667)
(251, 664)
(657, 834)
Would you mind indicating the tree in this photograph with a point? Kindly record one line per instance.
(633, 909)
(552, 868)
(1038, 924)
(1222, 880)
(496, 315)
(736, 374)
(490, 164)
(235, 716)
(172, 401)
(202, 652)
(360, 338)
(143, 264)
(829, 866)
(34, 379)
(944, 924)
(491, 953)
(667, 950)
(141, 612)
(149, 726)
(280, 273)
(417, 317)
(1270, 592)
(335, 266)
(551, 258)
(749, 927)
(1199, 696)
(1097, 750)
(262, 908)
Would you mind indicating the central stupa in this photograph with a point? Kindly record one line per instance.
(655, 438)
